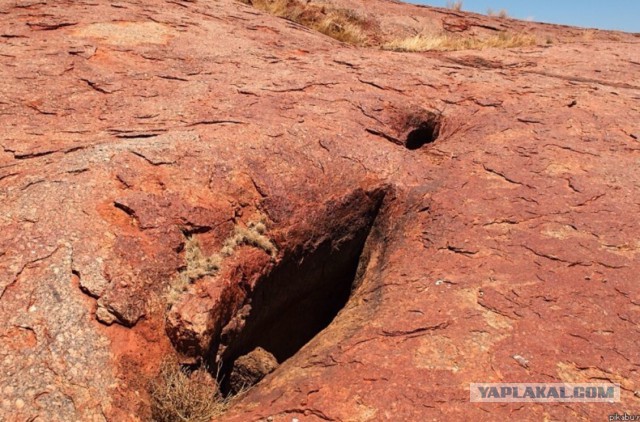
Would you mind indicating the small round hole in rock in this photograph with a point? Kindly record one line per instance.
(426, 132)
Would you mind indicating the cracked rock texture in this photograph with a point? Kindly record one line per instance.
(506, 250)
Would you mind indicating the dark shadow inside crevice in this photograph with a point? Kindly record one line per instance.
(299, 298)
(425, 131)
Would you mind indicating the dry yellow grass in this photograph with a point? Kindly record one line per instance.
(179, 396)
(455, 5)
(254, 235)
(502, 13)
(589, 34)
(198, 265)
(420, 43)
(341, 24)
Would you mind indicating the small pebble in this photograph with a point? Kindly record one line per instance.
(521, 361)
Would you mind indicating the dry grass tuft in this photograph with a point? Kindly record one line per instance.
(448, 43)
(589, 34)
(455, 5)
(341, 24)
(198, 266)
(502, 13)
(254, 235)
(179, 396)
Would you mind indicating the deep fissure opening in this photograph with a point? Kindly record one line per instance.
(294, 302)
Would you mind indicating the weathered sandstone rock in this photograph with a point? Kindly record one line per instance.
(198, 178)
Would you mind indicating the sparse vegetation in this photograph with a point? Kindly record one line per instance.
(180, 396)
(420, 43)
(342, 24)
(347, 26)
(455, 5)
(254, 235)
(502, 13)
(589, 34)
(199, 265)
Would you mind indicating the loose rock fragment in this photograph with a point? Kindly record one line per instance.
(249, 369)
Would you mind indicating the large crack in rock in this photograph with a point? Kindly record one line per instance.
(305, 291)
(282, 305)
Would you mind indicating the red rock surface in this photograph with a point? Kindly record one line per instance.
(130, 127)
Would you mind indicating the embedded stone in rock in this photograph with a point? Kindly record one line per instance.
(249, 369)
